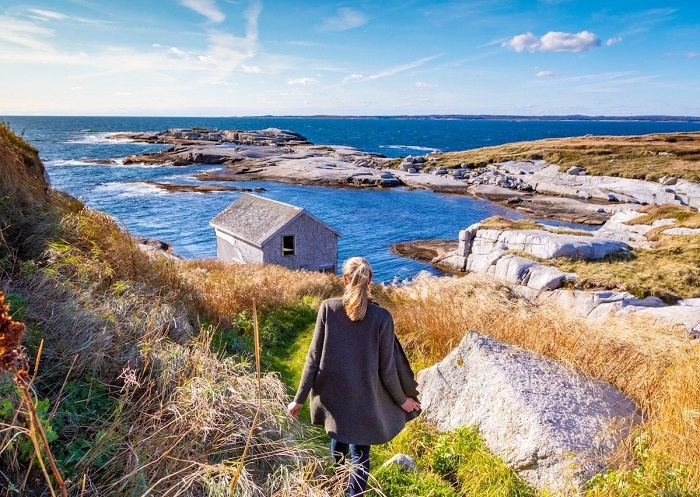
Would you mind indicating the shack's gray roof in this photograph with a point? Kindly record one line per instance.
(256, 219)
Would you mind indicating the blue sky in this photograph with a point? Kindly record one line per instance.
(257, 57)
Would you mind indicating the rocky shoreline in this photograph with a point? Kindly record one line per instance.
(534, 187)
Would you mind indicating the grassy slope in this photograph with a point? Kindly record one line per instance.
(647, 157)
(133, 393)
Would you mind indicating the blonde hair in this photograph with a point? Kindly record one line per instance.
(358, 272)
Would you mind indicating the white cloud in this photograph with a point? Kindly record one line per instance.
(554, 41)
(692, 55)
(353, 76)
(48, 14)
(391, 71)
(228, 52)
(177, 51)
(24, 33)
(423, 84)
(523, 42)
(207, 8)
(545, 74)
(613, 41)
(345, 19)
(301, 81)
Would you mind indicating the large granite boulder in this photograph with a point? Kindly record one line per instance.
(551, 424)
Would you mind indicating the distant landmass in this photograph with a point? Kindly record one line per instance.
(506, 117)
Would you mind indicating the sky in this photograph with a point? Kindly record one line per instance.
(403, 57)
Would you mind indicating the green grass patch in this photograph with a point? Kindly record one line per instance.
(452, 463)
(654, 476)
(395, 482)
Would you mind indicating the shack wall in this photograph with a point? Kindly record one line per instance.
(315, 246)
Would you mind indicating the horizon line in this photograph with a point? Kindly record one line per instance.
(600, 117)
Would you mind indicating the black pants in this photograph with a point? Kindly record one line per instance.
(359, 456)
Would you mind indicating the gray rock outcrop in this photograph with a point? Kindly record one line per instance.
(599, 305)
(544, 178)
(481, 250)
(552, 425)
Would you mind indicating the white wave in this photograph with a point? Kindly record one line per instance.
(410, 147)
(128, 190)
(118, 162)
(90, 138)
(67, 162)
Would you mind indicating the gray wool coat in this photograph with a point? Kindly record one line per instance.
(351, 374)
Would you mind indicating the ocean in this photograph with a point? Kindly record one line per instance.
(368, 220)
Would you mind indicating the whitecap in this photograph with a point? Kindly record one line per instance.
(128, 190)
(90, 138)
(410, 147)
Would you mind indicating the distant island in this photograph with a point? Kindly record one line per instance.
(507, 117)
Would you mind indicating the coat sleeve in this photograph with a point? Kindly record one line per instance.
(313, 358)
(387, 363)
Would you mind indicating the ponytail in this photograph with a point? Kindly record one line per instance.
(358, 272)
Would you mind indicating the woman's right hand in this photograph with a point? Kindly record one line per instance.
(410, 405)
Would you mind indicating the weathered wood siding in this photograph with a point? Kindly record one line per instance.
(315, 246)
(231, 249)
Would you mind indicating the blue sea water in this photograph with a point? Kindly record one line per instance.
(369, 220)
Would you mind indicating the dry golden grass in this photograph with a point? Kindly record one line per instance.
(223, 290)
(670, 269)
(25, 214)
(649, 363)
(674, 420)
(685, 217)
(646, 157)
(500, 223)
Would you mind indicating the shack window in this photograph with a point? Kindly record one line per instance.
(327, 269)
(288, 245)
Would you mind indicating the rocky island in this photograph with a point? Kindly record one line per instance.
(530, 181)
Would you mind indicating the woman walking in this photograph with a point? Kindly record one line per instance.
(356, 374)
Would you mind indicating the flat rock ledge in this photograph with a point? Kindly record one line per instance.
(553, 425)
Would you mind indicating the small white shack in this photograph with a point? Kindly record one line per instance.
(258, 230)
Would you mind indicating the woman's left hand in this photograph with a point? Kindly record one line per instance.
(411, 404)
